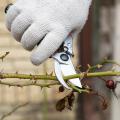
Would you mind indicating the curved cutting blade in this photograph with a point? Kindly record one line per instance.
(58, 73)
(68, 69)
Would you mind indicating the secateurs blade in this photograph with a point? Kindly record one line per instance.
(64, 66)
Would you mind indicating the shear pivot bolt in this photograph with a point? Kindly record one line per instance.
(64, 57)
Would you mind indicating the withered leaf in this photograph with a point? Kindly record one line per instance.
(71, 99)
(60, 106)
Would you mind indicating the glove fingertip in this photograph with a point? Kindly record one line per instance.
(35, 60)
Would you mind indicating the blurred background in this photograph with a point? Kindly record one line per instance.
(99, 39)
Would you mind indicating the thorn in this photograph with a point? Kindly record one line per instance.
(89, 66)
(51, 74)
(99, 66)
(7, 53)
(105, 59)
(41, 87)
(87, 87)
(1, 76)
(2, 59)
(34, 82)
(30, 74)
(78, 67)
(19, 86)
(16, 72)
(32, 77)
(113, 69)
(46, 74)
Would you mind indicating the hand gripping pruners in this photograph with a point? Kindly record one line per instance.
(64, 66)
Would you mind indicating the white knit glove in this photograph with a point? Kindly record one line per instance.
(47, 22)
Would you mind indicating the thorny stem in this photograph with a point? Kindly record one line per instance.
(101, 65)
(14, 110)
(49, 77)
(34, 78)
(78, 89)
(34, 83)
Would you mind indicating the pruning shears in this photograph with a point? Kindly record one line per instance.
(63, 64)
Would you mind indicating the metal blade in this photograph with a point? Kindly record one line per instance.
(59, 74)
(68, 69)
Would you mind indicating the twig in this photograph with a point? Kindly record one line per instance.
(35, 78)
(34, 83)
(101, 65)
(79, 90)
(106, 61)
(14, 110)
(27, 76)
(3, 56)
(49, 77)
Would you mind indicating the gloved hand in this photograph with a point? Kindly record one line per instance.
(43, 25)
